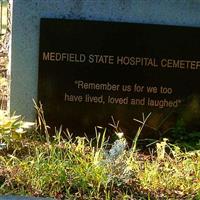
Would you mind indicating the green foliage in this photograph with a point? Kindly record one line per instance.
(12, 130)
(79, 168)
(179, 175)
(184, 138)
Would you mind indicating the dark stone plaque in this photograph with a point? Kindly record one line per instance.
(91, 70)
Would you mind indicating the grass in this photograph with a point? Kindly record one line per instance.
(79, 168)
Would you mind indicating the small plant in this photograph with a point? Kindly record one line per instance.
(12, 128)
(161, 149)
(143, 123)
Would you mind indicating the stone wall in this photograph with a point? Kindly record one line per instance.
(26, 22)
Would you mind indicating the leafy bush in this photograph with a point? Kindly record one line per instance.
(12, 130)
(184, 138)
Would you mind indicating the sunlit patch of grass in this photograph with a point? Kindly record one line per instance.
(177, 174)
(79, 168)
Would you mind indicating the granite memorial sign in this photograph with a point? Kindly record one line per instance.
(92, 70)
